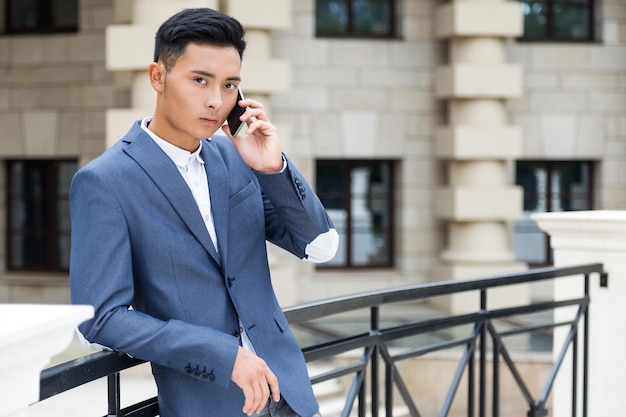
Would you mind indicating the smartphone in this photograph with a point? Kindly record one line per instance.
(234, 123)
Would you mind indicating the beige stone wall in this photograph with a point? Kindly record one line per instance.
(368, 99)
(574, 105)
(54, 92)
(344, 99)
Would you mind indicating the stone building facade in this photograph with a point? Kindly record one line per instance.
(455, 103)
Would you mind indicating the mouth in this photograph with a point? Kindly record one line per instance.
(208, 122)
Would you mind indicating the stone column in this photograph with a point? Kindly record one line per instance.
(29, 336)
(477, 144)
(592, 237)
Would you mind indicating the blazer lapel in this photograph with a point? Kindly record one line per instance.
(217, 175)
(165, 175)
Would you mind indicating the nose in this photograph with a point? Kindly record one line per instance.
(213, 98)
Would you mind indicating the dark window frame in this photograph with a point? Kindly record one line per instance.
(590, 35)
(351, 32)
(389, 231)
(52, 229)
(47, 26)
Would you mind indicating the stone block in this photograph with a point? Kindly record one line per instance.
(474, 203)
(268, 14)
(40, 132)
(129, 47)
(478, 81)
(480, 18)
(266, 75)
(478, 142)
(12, 134)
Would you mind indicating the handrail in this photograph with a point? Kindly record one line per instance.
(374, 344)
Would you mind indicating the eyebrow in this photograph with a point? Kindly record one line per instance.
(211, 75)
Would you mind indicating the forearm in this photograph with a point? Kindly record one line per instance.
(296, 219)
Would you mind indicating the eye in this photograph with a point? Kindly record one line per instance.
(230, 86)
(200, 80)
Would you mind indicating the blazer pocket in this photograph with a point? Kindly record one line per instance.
(281, 321)
(242, 194)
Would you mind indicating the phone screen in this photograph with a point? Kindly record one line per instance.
(234, 123)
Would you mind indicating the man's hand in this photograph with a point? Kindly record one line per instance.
(255, 379)
(259, 145)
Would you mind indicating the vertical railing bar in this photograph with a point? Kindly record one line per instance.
(388, 389)
(574, 374)
(585, 350)
(471, 384)
(496, 378)
(482, 411)
(374, 328)
(113, 394)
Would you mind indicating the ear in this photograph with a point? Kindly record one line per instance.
(156, 72)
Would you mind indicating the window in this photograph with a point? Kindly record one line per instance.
(41, 16)
(38, 220)
(558, 20)
(358, 196)
(355, 18)
(548, 187)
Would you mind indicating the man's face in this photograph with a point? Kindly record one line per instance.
(197, 94)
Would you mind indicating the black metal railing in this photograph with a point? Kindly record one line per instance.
(382, 344)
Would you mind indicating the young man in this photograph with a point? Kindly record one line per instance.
(169, 232)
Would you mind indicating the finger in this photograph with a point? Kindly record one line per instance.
(272, 382)
(260, 398)
(248, 394)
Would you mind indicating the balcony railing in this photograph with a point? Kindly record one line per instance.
(373, 388)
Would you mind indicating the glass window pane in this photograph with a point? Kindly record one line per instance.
(39, 221)
(372, 16)
(357, 197)
(548, 187)
(25, 14)
(535, 19)
(331, 16)
(63, 245)
(570, 21)
(40, 16)
(570, 186)
(65, 13)
(369, 215)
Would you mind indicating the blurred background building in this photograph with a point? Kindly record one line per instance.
(430, 129)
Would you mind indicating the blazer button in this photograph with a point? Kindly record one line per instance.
(188, 369)
(229, 281)
(236, 333)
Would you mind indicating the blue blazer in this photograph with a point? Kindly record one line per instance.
(141, 255)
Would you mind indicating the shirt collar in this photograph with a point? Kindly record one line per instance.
(181, 157)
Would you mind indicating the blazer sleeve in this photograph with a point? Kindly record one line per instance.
(101, 275)
(296, 220)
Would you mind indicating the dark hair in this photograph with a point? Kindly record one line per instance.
(198, 25)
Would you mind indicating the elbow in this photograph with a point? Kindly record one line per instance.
(323, 248)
